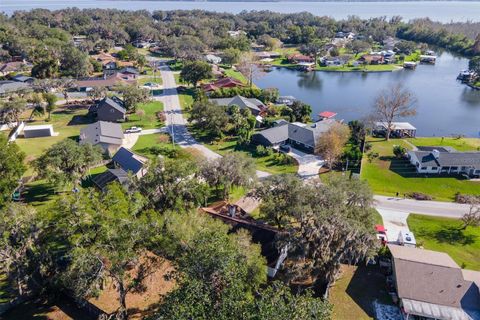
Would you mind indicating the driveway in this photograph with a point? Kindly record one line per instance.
(153, 131)
(308, 164)
(394, 222)
(129, 140)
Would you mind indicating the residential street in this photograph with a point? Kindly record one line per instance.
(176, 123)
(431, 208)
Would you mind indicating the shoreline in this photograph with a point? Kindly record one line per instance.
(339, 71)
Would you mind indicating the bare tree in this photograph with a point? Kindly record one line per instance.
(472, 217)
(249, 69)
(393, 103)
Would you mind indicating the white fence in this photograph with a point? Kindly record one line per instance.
(17, 131)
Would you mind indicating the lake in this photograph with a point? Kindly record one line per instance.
(444, 11)
(444, 106)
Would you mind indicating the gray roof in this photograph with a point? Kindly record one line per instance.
(432, 277)
(448, 159)
(22, 78)
(129, 70)
(439, 149)
(109, 176)
(114, 102)
(302, 133)
(276, 134)
(129, 161)
(102, 132)
(12, 86)
(241, 102)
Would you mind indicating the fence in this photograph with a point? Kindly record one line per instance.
(16, 132)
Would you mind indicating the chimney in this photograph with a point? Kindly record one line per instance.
(231, 210)
(435, 153)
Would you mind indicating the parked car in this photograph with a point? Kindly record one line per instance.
(133, 130)
(285, 148)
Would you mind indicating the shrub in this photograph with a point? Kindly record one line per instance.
(261, 151)
(372, 156)
(464, 198)
(368, 146)
(166, 150)
(161, 116)
(419, 196)
(399, 151)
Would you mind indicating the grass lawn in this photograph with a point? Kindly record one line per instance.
(387, 175)
(460, 144)
(236, 75)
(445, 235)
(147, 121)
(157, 79)
(66, 121)
(354, 292)
(266, 163)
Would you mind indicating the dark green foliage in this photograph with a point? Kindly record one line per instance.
(11, 168)
(194, 71)
(67, 162)
(209, 117)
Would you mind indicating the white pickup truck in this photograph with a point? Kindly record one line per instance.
(133, 130)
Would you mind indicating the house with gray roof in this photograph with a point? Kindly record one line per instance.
(299, 135)
(9, 86)
(109, 109)
(256, 106)
(126, 164)
(444, 160)
(108, 135)
(130, 162)
(430, 285)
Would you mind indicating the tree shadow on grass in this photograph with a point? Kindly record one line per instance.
(39, 193)
(367, 285)
(453, 235)
(80, 119)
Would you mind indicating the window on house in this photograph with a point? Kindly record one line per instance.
(434, 168)
(453, 168)
(424, 168)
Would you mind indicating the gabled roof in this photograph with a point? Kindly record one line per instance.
(130, 70)
(12, 86)
(240, 101)
(102, 132)
(109, 81)
(432, 280)
(448, 159)
(276, 134)
(129, 161)
(327, 114)
(113, 102)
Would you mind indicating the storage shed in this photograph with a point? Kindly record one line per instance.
(45, 130)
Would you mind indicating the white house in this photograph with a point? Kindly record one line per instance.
(441, 160)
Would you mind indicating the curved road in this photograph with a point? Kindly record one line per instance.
(176, 126)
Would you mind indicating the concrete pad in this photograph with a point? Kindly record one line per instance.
(394, 222)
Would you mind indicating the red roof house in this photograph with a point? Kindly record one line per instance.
(223, 83)
(327, 115)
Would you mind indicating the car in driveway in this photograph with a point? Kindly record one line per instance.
(285, 148)
(133, 130)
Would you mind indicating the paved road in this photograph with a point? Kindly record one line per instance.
(176, 123)
(176, 126)
(431, 208)
(153, 131)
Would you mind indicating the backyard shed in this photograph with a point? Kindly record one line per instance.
(45, 130)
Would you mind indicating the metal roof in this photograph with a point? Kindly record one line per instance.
(114, 102)
(397, 125)
(129, 161)
(240, 101)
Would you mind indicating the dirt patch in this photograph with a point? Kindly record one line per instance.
(139, 304)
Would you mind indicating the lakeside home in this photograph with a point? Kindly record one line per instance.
(443, 160)
(299, 135)
(398, 129)
(254, 105)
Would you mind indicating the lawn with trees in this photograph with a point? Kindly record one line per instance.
(449, 236)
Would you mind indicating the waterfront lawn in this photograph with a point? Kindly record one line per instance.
(460, 144)
(147, 121)
(353, 293)
(387, 175)
(66, 121)
(236, 75)
(447, 235)
(268, 164)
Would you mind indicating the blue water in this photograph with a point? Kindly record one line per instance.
(444, 107)
(444, 11)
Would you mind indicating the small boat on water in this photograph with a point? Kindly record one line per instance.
(410, 65)
(466, 76)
